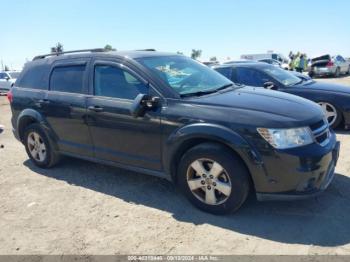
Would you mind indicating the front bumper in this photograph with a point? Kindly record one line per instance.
(299, 173)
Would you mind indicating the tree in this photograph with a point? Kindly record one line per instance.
(7, 68)
(196, 53)
(213, 59)
(109, 48)
(57, 49)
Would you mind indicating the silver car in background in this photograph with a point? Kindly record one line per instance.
(7, 78)
(328, 65)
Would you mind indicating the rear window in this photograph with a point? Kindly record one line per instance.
(34, 77)
(68, 79)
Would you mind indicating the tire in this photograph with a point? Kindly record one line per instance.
(234, 175)
(332, 108)
(36, 140)
(349, 70)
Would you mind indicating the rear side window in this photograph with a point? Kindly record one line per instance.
(34, 77)
(68, 79)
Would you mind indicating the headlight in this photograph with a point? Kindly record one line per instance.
(287, 138)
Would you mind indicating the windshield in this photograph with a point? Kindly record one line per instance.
(14, 75)
(281, 75)
(185, 75)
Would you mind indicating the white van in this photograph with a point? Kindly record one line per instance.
(279, 57)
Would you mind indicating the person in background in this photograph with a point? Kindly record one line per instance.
(300, 64)
(291, 63)
(296, 61)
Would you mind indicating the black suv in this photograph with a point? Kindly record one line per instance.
(170, 116)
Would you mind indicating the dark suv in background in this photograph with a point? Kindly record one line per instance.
(170, 116)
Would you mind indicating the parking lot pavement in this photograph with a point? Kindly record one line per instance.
(84, 208)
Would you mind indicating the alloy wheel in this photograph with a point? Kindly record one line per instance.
(36, 146)
(209, 181)
(330, 112)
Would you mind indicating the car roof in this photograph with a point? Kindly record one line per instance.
(254, 64)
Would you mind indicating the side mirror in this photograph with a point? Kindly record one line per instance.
(270, 85)
(142, 103)
(7, 78)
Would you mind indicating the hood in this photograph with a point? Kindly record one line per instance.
(265, 101)
(330, 87)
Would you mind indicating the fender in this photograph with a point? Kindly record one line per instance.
(210, 132)
(30, 115)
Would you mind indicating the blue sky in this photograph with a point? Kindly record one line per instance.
(222, 28)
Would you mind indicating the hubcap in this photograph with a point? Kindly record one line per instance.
(330, 111)
(209, 181)
(36, 146)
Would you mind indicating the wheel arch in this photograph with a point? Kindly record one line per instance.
(189, 136)
(26, 118)
(31, 116)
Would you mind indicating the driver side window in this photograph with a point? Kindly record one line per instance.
(112, 81)
(250, 77)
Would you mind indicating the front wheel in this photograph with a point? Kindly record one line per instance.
(213, 178)
(333, 115)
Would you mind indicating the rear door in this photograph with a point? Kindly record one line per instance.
(65, 106)
(117, 135)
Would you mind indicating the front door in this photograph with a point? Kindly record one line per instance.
(117, 135)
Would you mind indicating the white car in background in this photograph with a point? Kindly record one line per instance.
(328, 65)
(274, 62)
(7, 78)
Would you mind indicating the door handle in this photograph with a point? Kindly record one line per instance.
(41, 102)
(95, 108)
(44, 101)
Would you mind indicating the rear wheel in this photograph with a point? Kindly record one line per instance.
(38, 147)
(213, 178)
(333, 115)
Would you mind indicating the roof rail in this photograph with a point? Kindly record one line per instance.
(147, 49)
(71, 52)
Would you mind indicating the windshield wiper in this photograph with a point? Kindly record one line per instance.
(206, 92)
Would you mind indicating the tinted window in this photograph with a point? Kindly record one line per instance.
(114, 82)
(34, 77)
(250, 77)
(225, 71)
(67, 79)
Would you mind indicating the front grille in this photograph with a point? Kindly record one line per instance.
(320, 131)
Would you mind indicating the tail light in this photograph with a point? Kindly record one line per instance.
(330, 63)
(10, 96)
